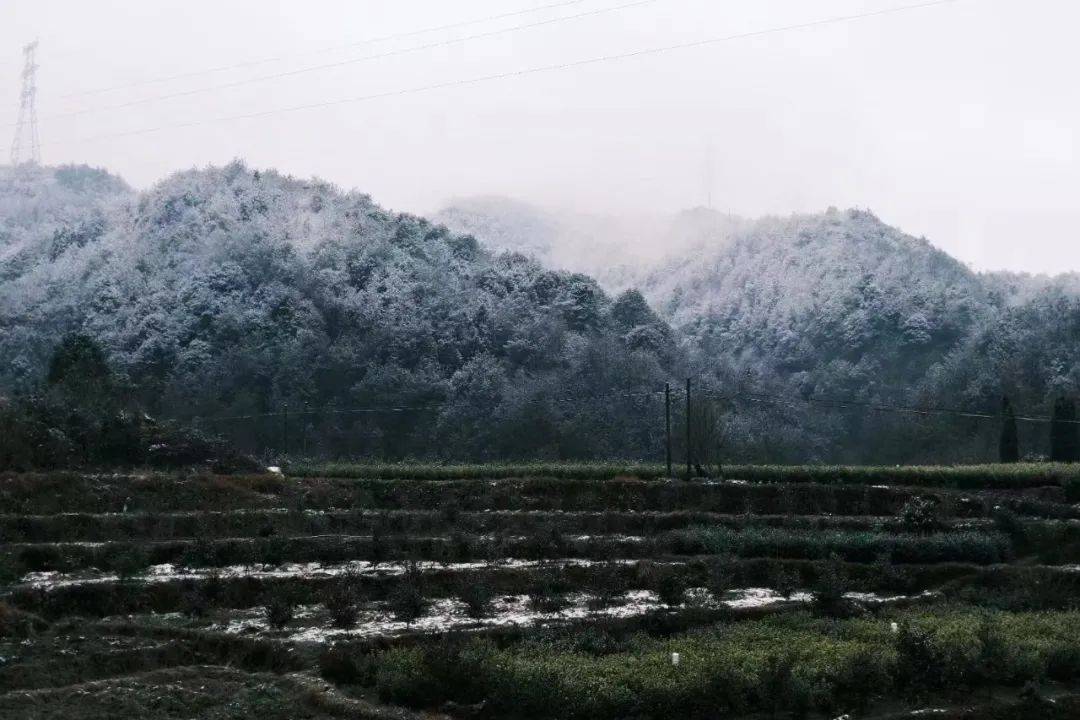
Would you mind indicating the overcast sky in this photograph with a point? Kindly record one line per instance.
(957, 122)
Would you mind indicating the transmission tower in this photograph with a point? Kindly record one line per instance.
(26, 147)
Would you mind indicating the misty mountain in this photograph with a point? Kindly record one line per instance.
(840, 305)
(617, 250)
(227, 291)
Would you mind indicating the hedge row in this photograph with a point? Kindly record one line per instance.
(1019, 475)
(865, 545)
(89, 527)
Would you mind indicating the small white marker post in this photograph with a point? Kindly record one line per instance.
(675, 658)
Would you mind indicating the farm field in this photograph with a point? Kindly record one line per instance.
(541, 591)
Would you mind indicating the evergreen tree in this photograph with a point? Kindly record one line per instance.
(1009, 444)
(79, 364)
(1064, 432)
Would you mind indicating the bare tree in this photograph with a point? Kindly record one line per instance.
(709, 436)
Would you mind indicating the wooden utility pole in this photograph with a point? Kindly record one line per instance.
(285, 431)
(689, 452)
(667, 423)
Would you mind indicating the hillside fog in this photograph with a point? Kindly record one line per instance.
(234, 292)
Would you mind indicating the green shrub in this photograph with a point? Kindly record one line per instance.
(721, 576)
(921, 514)
(785, 581)
(547, 544)
(608, 586)
(1009, 524)
(547, 591)
(406, 600)
(669, 584)
(130, 562)
(919, 662)
(280, 609)
(200, 553)
(37, 558)
(776, 682)
(862, 679)
(477, 595)
(15, 623)
(1063, 663)
(342, 666)
(381, 544)
(991, 662)
(340, 600)
(1072, 489)
(194, 603)
(402, 678)
(829, 588)
(271, 550)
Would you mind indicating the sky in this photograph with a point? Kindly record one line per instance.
(955, 121)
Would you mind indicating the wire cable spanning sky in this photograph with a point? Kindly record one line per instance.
(568, 65)
(946, 118)
(351, 61)
(319, 51)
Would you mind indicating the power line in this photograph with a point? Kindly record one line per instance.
(846, 403)
(358, 43)
(834, 403)
(324, 411)
(343, 63)
(519, 73)
(543, 398)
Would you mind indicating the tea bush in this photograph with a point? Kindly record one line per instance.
(789, 663)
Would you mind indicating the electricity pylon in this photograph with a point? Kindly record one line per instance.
(26, 148)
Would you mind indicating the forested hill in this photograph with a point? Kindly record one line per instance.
(226, 292)
(231, 292)
(839, 299)
(841, 305)
(44, 211)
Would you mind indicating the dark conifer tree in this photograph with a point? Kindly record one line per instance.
(1064, 432)
(1009, 444)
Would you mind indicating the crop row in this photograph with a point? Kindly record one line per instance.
(34, 495)
(972, 546)
(89, 527)
(1018, 475)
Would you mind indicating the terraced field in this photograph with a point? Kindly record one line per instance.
(552, 592)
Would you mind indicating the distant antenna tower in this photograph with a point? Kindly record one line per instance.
(26, 147)
(708, 180)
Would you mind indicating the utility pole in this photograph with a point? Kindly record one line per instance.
(285, 431)
(25, 147)
(689, 453)
(667, 423)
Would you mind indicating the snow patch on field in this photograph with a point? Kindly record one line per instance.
(51, 579)
(311, 625)
(446, 614)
